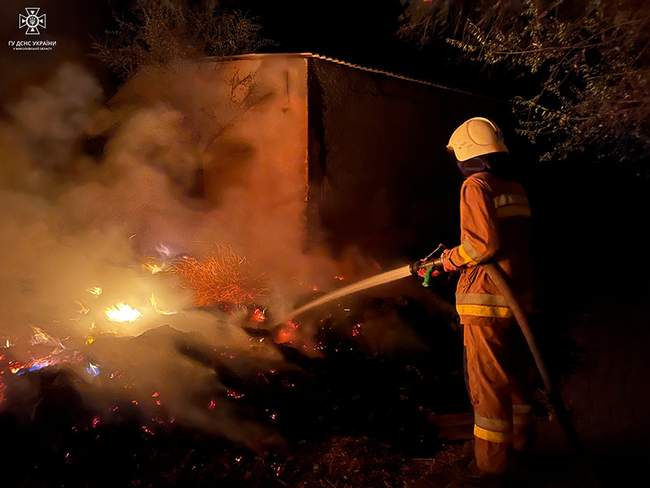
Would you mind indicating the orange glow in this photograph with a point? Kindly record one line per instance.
(258, 315)
(286, 333)
(224, 277)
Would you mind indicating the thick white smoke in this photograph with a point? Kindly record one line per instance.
(75, 229)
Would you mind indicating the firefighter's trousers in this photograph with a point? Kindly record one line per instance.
(499, 376)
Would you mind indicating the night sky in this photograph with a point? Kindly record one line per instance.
(362, 31)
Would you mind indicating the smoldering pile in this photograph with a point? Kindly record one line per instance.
(130, 305)
(83, 238)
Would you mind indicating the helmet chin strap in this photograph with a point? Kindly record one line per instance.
(474, 165)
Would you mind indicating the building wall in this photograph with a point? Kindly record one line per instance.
(380, 177)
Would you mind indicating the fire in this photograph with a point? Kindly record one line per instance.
(39, 336)
(287, 332)
(222, 278)
(83, 310)
(155, 268)
(157, 309)
(20, 369)
(258, 315)
(95, 290)
(122, 312)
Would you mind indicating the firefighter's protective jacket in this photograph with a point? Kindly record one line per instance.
(494, 218)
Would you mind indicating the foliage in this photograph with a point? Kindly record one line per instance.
(580, 72)
(162, 31)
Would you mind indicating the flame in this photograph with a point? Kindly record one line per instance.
(287, 332)
(224, 277)
(122, 312)
(154, 268)
(20, 369)
(83, 310)
(157, 309)
(258, 315)
(95, 290)
(39, 337)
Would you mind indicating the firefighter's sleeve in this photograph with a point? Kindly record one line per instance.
(479, 238)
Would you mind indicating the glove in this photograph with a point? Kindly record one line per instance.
(447, 265)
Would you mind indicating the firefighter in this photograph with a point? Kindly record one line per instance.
(494, 221)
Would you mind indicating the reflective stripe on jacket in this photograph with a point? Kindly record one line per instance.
(494, 216)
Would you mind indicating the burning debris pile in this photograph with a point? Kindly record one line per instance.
(102, 248)
(124, 324)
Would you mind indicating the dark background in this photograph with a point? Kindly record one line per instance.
(590, 218)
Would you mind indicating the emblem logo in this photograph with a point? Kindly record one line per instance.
(32, 21)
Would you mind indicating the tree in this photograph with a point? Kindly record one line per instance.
(159, 31)
(581, 71)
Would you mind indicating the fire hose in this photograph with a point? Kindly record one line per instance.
(427, 268)
(430, 263)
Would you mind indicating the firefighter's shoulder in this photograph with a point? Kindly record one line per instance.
(478, 181)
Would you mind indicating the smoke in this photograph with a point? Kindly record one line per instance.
(188, 166)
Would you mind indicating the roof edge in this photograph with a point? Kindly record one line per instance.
(308, 55)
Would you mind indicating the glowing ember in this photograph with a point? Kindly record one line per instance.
(356, 330)
(95, 290)
(339, 278)
(235, 395)
(222, 278)
(258, 315)
(96, 421)
(212, 405)
(34, 365)
(122, 312)
(287, 332)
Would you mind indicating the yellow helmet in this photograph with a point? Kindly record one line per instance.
(476, 137)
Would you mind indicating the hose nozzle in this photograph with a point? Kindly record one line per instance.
(430, 263)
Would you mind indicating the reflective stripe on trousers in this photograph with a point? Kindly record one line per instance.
(482, 305)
